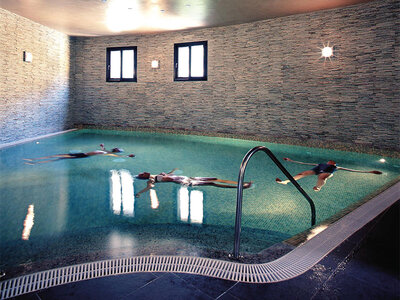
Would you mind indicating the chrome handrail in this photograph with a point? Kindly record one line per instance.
(239, 198)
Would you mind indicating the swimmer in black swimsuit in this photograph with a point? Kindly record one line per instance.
(184, 180)
(46, 159)
(323, 171)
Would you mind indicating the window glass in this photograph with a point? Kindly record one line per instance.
(127, 64)
(190, 61)
(183, 62)
(115, 64)
(197, 61)
(121, 63)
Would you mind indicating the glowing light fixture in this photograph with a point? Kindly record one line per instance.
(326, 51)
(28, 56)
(382, 160)
(155, 64)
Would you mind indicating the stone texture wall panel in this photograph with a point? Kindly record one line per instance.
(34, 97)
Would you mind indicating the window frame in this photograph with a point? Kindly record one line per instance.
(108, 66)
(205, 62)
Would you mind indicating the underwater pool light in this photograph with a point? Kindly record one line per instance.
(382, 160)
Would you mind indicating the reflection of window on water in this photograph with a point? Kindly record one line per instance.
(122, 199)
(190, 207)
(28, 223)
(154, 199)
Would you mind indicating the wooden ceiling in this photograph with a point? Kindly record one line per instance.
(111, 17)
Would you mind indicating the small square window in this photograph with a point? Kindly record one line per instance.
(190, 61)
(121, 64)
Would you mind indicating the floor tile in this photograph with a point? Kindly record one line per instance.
(227, 296)
(168, 287)
(280, 290)
(30, 296)
(213, 287)
(345, 287)
(111, 287)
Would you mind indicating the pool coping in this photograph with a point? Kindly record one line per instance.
(289, 266)
(11, 144)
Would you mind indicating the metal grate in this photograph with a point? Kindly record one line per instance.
(289, 266)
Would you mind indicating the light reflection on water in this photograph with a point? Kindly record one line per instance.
(28, 223)
(122, 193)
(190, 206)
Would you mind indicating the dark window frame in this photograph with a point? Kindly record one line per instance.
(205, 62)
(108, 67)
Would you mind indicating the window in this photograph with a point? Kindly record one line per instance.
(121, 64)
(190, 61)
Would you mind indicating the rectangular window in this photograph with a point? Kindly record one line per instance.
(190, 61)
(121, 64)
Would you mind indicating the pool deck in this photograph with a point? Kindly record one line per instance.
(364, 266)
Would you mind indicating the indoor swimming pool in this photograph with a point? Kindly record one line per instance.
(84, 209)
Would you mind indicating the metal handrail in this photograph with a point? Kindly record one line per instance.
(239, 198)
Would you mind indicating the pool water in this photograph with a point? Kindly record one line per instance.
(86, 206)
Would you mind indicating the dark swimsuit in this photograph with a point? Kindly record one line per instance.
(79, 155)
(324, 168)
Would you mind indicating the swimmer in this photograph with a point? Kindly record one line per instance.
(323, 171)
(184, 180)
(46, 159)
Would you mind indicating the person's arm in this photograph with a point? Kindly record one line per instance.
(359, 171)
(299, 162)
(112, 154)
(171, 172)
(149, 186)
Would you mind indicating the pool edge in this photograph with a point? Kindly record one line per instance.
(291, 265)
(23, 141)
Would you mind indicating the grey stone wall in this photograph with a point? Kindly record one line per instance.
(265, 78)
(34, 97)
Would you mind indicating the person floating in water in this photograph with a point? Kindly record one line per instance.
(323, 171)
(46, 159)
(184, 180)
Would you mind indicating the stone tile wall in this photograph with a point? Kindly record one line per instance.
(265, 78)
(34, 97)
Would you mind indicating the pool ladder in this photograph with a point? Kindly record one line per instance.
(239, 198)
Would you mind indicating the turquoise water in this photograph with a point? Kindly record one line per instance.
(86, 206)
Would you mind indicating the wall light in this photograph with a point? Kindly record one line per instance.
(155, 64)
(27, 56)
(327, 52)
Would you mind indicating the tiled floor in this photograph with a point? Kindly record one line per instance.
(366, 266)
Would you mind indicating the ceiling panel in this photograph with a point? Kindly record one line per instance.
(110, 17)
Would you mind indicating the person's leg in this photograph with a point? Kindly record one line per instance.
(213, 183)
(296, 177)
(46, 157)
(321, 180)
(43, 161)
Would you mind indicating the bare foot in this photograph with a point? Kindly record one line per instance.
(316, 188)
(280, 181)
